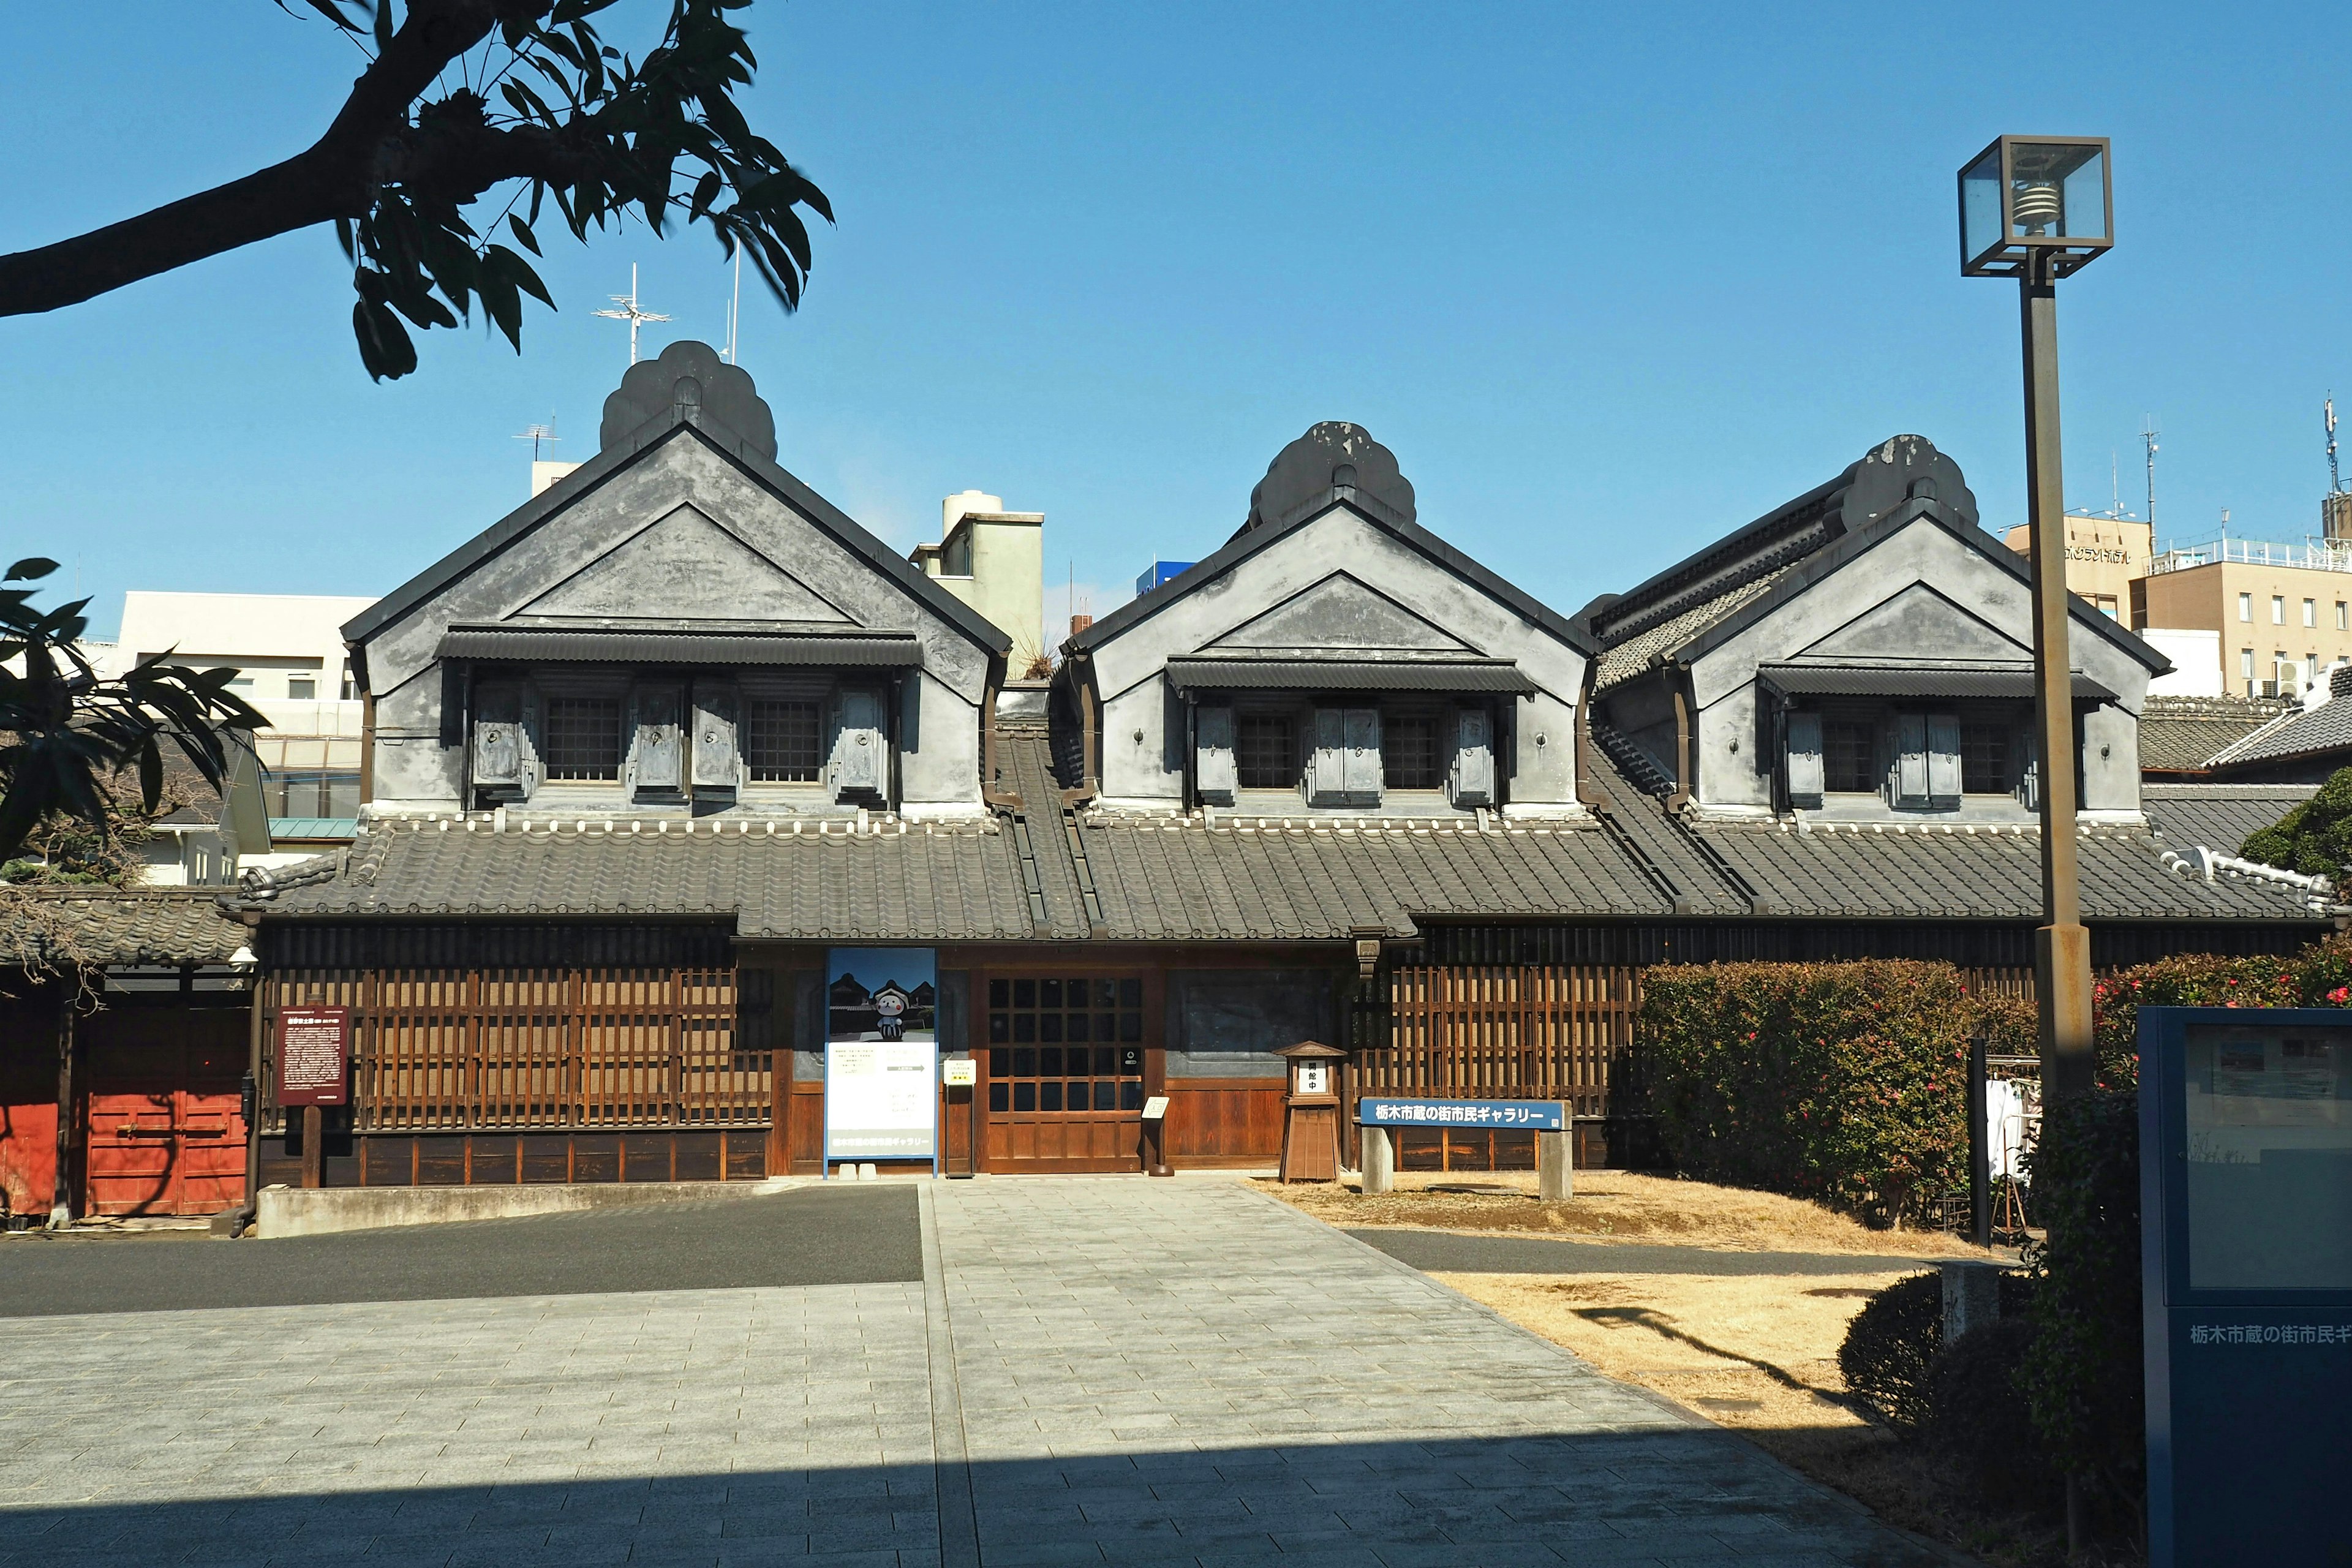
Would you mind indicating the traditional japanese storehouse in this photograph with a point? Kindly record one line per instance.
(685, 790)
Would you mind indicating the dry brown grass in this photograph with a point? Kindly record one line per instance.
(1756, 1354)
(1615, 1206)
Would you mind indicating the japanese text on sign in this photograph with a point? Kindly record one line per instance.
(314, 1052)
(2270, 1334)
(1505, 1115)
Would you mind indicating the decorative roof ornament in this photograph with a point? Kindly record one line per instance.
(1332, 457)
(690, 382)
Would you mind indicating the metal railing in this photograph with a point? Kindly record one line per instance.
(2311, 555)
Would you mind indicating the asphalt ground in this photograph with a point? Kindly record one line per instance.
(818, 1236)
(1445, 1252)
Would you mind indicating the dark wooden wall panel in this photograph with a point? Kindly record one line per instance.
(1224, 1121)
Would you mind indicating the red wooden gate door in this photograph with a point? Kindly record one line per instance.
(164, 1134)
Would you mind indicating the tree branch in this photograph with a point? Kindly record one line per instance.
(335, 177)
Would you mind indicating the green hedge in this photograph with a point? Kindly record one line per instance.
(2318, 976)
(1842, 1082)
(2081, 1373)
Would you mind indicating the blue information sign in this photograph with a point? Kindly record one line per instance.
(2246, 1274)
(1502, 1115)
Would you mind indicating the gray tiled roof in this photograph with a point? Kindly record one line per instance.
(1624, 660)
(1922, 871)
(107, 926)
(1939, 873)
(2217, 816)
(2180, 735)
(1169, 879)
(1181, 880)
(921, 882)
(2299, 732)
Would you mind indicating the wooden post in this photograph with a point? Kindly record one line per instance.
(61, 1193)
(314, 1147)
(1378, 1152)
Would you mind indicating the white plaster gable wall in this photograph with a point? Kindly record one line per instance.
(679, 535)
(1919, 593)
(1334, 583)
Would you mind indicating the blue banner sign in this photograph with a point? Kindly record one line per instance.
(1503, 1115)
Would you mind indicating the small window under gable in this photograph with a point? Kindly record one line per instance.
(1265, 751)
(584, 738)
(1409, 757)
(783, 740)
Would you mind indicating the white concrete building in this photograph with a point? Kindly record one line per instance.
(287, 650)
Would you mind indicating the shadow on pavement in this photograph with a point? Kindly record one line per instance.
(822, 1236)
(1677, 1494)
(1450, 1252)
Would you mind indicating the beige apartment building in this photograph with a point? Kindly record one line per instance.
(2103, 555)
(2283, 611)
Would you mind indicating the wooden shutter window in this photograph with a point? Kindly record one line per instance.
(1944, 757)
(858, 749)
(1213, 768)
(1360, 767)
(655, 760)
(718, 761)
(1804, 760)
(1327, 769)
(497, 750)
(1911, 759)
(1473, 772)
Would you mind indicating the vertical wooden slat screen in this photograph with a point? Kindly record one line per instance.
(1506, 1032)
(537, 1048)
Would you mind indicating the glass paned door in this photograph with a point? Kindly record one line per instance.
(1064, 1061)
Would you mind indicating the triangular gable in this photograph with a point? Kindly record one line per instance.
(685, 566)
(1253, 541)
(1801, 579)
(1339, 611)
(1918, 622)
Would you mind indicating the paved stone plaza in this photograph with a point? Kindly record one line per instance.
(1089, 1370)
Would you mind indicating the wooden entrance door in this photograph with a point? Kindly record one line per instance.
(165, 1134)
(1063, 1071)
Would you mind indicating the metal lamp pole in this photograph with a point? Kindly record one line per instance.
(2037, 208)
(2062, 946)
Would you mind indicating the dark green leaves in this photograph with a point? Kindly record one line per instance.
(63, 728)
(546, 101)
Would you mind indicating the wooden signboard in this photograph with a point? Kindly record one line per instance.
(314, 1056)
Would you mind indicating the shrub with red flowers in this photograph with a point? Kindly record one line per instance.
(2318, 976)
(1842, 1082)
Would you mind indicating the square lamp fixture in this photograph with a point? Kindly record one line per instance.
(2024, 197)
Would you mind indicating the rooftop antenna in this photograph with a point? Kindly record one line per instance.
(631, 312)
(2335, 485)
(537, 434)
(735, 307)
(2114, 484)
(2147, 433)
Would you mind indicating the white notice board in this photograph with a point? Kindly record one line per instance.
(880, 1099)
(881, 1054)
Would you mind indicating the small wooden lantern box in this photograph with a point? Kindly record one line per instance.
(1310, 1119)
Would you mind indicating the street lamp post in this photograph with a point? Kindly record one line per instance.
(2037, 208)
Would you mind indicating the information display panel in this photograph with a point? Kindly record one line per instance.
(2246, 1258)
(881, 1057)
(314, 1056)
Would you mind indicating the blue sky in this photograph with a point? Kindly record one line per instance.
(1609, 281)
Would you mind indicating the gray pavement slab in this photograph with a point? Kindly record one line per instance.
(1085, 1371)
